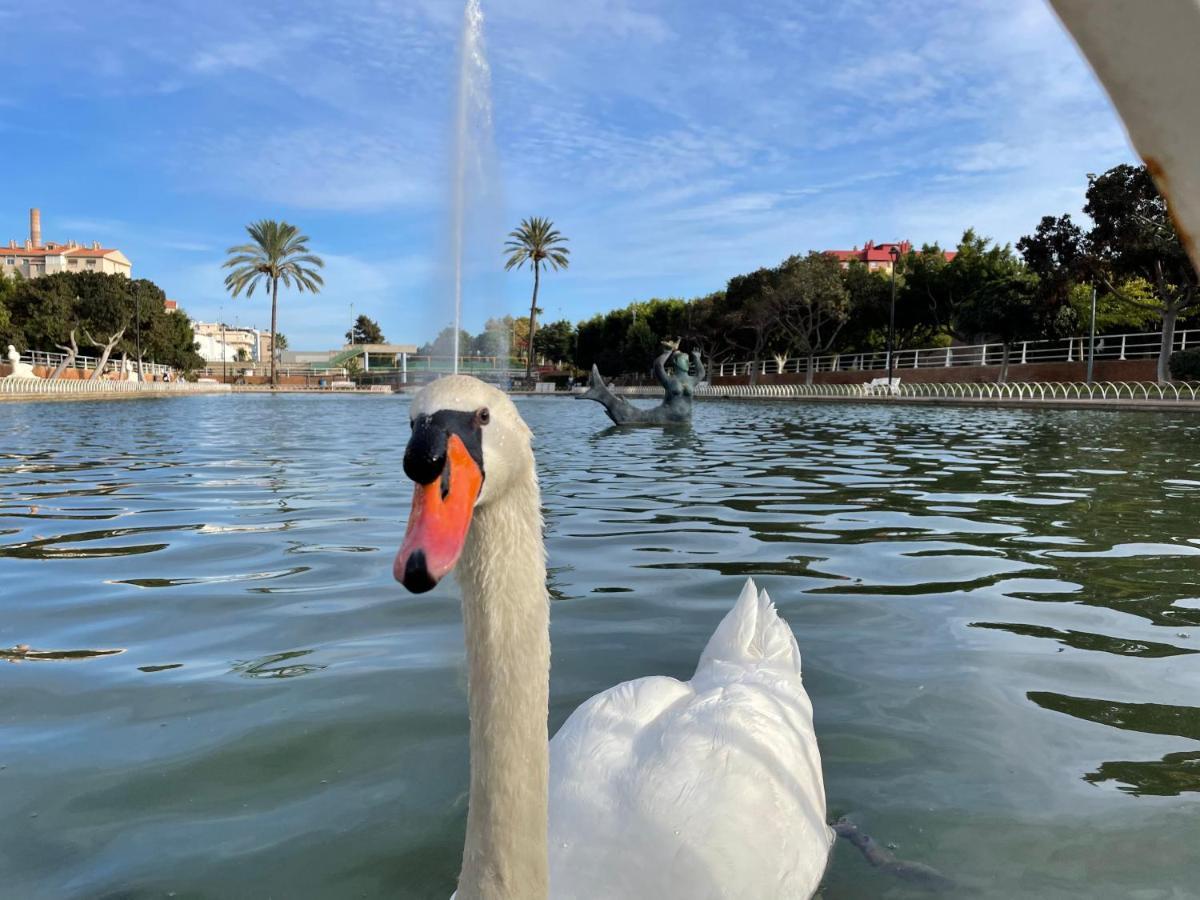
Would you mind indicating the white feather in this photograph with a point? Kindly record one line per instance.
(709, 788)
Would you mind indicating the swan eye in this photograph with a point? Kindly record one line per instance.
(482, 416)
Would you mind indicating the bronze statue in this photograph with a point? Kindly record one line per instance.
(673, 371)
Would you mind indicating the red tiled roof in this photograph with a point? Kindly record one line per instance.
(872, 252)
(52, 249)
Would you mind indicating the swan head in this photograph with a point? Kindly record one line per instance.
(469, 447)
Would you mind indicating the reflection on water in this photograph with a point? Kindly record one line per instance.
(1174, 774)
(999, 613)
(23, 652)
(276, 665)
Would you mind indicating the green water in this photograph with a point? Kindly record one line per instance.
(999, 614)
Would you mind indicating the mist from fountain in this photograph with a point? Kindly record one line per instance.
(473, 150)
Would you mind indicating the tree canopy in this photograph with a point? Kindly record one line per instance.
(43, 311)
(365, 331)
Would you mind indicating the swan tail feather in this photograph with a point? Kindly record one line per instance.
(753, 634)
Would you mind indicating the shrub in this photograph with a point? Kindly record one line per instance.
(1185, 365)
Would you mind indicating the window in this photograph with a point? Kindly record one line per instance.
(91, 263)
(72, 262)
(10, 261)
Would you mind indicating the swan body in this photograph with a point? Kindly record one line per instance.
(655, 789)
(709, 788)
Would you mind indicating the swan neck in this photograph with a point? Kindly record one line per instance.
(506, 623)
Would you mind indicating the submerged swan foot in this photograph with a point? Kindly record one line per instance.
(883, 859)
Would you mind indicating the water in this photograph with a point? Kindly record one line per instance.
(998, 611)
(472, 144)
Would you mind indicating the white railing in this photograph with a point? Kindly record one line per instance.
(77, 387)
(1021, 390)
(1144, 345)
(87, 363)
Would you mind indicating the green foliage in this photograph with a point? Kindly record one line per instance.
(443, 344)
(45, 310)
(277, 252)
(1113, 313)
(537, 242)
(639, 346)
(555, 341)
(811, 302)
(1185, 365)
(8, 287)
(365, 331)
(281, 341)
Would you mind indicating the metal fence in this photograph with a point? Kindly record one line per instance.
(1169, 392)
(88, 363)
(77, 387)
(1143, 345)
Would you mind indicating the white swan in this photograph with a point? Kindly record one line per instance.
(655, 789)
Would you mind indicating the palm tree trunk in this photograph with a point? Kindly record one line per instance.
(532, 320)
(274, 307)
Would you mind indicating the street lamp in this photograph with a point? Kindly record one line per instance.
(137, 300)
(894, 253)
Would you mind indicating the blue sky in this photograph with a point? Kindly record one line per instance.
(676, 142)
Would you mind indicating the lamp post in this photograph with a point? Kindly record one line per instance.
(137, 302)
(224, 367)
(894, 253)
(1092, 339)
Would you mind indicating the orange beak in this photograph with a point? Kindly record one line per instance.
(439, 520)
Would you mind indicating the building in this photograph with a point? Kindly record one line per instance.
(217, 342)
(877, 257)
(34, 259)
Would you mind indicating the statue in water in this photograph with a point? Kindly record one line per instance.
(673, 371)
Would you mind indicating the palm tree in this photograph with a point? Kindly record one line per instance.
(537, 242)
(277, 252)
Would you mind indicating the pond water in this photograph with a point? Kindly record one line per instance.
(999, 613)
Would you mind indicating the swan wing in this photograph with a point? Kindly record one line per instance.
(709, 788)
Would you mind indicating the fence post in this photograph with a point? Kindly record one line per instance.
(1122, 346)
(948, 357)
(983, 355)
(916, 359)
(1024, 349)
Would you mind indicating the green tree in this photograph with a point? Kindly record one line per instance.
(1133, 237)
(639, 347)
(277, 252)
(365, 331)
(749, 317)
(7, 289)
(535, 241)
(811, 304)
(281, 341)
(556, 341)
(1004, 307)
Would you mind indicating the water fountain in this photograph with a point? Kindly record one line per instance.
(472, 144)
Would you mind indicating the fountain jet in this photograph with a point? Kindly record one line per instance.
(472, 143)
